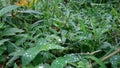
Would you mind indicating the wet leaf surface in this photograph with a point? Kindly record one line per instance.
(31, 53)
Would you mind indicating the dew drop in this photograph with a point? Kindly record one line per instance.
(40, 66)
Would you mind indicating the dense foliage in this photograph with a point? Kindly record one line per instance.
(60, 34)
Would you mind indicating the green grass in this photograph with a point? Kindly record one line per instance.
(59, 34)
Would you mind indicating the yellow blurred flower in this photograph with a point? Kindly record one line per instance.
(26, 3)
(22, 3)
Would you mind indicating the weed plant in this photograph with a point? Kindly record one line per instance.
(60, 34)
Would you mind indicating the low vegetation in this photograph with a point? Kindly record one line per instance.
(59, 34)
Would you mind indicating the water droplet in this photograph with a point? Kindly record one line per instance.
(59, 40)
(115, 58)
(41, 67)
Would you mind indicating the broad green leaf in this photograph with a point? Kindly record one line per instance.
(115, 61)
(43, 66)
(44, 56)
(59, 63)
(97, 61)
(38, 66)
(82, 64)
(71, 58)
(12, 31)
(7, 9)
(31, 11)
(20, 41)
(51, 38)
(11, 61)
(73, 24)
(62, 61)
(18, 52)
(31, 53)
(105, 46)
(3, 41)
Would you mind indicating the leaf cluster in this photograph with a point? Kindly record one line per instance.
(60, 34)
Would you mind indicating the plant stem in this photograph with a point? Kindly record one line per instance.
(110, 55)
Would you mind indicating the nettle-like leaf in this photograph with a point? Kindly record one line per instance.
(71, 58)
(60, 62)
(84, 63)
(3, 41)
(11, 61)
(105, 46)
(11, 31)
(7, 9)
(31, 12)
(52, 38)
(31, 53)
(19, 52)
(45, 65)
(115, 61)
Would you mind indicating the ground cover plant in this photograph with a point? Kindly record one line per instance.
(59, 33)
